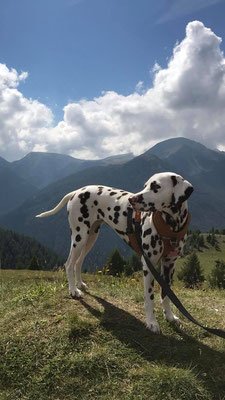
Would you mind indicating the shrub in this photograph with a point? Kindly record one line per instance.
(217, 276)
(191, 272)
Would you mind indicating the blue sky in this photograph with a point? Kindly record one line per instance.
(80, 49)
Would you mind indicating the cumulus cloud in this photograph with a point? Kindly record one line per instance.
(187, 99)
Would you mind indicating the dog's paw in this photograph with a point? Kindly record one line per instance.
(153, 327)
(172, 318)
(83, 287)
(76, 295)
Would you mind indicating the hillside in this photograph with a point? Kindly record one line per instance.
(52, 347)
(14, 190)
(18, 251)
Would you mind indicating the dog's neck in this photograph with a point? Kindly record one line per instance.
(176, 221)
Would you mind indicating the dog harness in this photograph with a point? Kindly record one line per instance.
(169, 238)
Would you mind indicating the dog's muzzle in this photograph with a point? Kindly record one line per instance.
(134, 200)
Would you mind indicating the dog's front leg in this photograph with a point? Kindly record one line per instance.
(151, 322)
(167, 270)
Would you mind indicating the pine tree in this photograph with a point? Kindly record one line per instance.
(191, 272)
(217, 276)
(116, 263)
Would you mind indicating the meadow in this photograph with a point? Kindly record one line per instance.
(53, 347)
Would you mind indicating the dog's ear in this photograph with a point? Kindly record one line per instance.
(188, 191)
(177, 201)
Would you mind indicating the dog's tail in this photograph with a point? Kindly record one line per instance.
(65, 200)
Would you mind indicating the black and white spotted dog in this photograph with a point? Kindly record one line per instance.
(91, 206)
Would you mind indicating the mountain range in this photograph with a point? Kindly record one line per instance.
(203, 167)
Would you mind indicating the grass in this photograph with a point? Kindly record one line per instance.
(53, 347)
(208, 255)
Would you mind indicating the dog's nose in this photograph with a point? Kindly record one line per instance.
(133, 200)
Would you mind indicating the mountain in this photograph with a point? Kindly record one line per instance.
(42, 169)
(188, 156)
(3, 163)
(203, 167)
(14, 190)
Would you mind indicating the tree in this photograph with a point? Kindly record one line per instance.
(116, 263)
(135, 262)
(191, 272)
(217, 276)
(34, 264)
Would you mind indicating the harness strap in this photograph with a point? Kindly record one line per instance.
(170, 239)
(134, 235)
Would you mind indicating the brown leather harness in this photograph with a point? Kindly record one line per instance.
(169, 238)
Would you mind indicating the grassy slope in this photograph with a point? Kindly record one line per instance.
(52, 347)
(208, 255)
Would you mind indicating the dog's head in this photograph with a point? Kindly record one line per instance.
(162, 191)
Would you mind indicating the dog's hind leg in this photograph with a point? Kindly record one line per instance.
(77, 247)
(93, 235)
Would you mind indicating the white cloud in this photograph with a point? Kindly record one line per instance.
(187, 99)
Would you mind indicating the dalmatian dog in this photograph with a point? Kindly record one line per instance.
(89, 207)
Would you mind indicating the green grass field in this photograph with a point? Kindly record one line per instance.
(53, 347)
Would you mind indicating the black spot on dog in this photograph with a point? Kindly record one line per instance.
(95, 202)
(174, 180)
(100, 190)
(108, 208)
(110, 217)
(149, 254)
(84, 211)
(145, 246)
(152, 297)
(87, 223)
(125, 213)
(116, 216)
(84, 197)
(113, 193)
(101, 212)
(117, 208)
(155, 187)
(78, 229)
(147, 232)
(145, 272)
(80, 219)
(153, 242)
(155, 252)
(78, 238)
(150, 290)
(74, 245)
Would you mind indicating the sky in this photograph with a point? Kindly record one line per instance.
(95, 78)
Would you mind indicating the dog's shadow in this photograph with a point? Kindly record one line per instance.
(178, 350)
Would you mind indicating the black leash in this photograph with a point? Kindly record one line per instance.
(166, 288)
